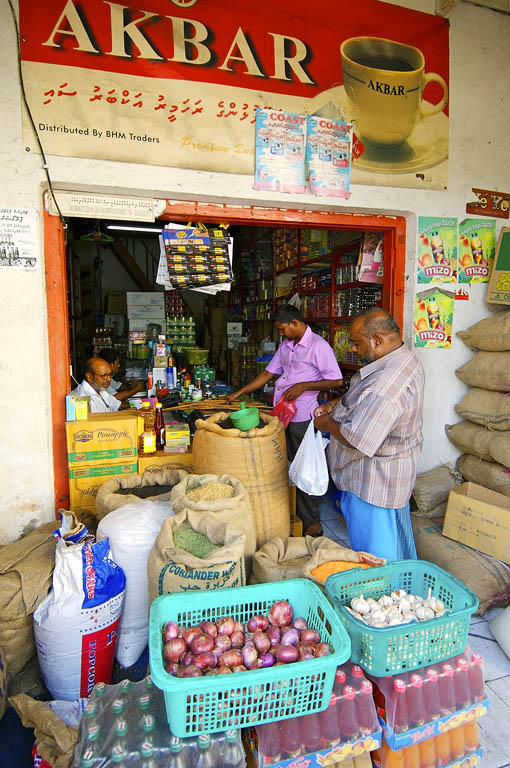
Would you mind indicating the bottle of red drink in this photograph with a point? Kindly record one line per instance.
(159, 427)
(462, 688)
(397, 712)
(365, 709)
(415, 703)
(269, 743)
(347, 717)
(357, 676)
(311, 729)
(431, 694)
(340, 681)
(475, 674)
(447, 689)
(290, 738)
(330, 733)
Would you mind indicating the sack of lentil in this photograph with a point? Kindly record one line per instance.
(151, 486)
(471, 438)
(491, 334)
(432, 488)
(258, 458)
(491, 409)
(220, 496)
(290, 558)
(499, 448)
(490, 475)
(196, 551)
(487, 370)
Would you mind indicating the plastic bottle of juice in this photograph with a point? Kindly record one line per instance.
(462, 688)
(347, 718)
(178, 756)
(457, 745)
(475, 675)
(365, 710)
(269, 743)
(311, 729)
(447, 689)
(471, 738)
(290, 738)
(330, 733)
(431, 694)
(397, 714)
(443, 751)
(340, 681)
(412, 756)
(391, 759)
(233, 756)
(415, 703)
(427, 754)
(206, 756)
(437, 247)
(357, 676)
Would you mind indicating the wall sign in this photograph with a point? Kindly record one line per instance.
(490, 204)
(437, 250)
(18, 238)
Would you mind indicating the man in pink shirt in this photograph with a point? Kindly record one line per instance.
(306, 365)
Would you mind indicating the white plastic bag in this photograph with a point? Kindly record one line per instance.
(309, 469)
(132, 530)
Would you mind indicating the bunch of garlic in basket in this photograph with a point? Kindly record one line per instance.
(397, 608)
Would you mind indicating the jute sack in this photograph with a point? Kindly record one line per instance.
(491, 334)
(487, 577)
(488, 370)
(171, 569)
(235, 509)
(55, 740)
(290, 558)
(500, 449)
(490, 475)
(471, 438)
(491, 409)
(3, 685)
(108, 497)
(432, 488)
(258, 458)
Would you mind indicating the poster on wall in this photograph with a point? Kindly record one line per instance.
(177, 83)
(280, 151)
(328, 157)
(477, 245)
(437, 250)
(18, 238)
(433, 318)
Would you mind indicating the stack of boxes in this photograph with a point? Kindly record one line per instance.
(144, 308)
(285, 247)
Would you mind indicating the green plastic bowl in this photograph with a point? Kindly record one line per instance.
(245, 418)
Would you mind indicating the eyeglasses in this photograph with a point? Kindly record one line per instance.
(103, 375)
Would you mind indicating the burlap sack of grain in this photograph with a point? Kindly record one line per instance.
(487, 577)
(491, 409)
(108, 497)
(26, 568)
(432, 488)
(3, 685)
(490, 475)
(499, 448)
(258, 458)
(235, 509)
(491, 334)
(171, 569)
(289, 558)
(471, 438)
(55, 740)
(487, 370)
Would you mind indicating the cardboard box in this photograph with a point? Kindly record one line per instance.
(141, 323)
(160, 361)
(117, 322)
(104, 437)
(480, 519)
(498, 290)
(140, 299)
(160, 461)
(85, 480)
(116, 302)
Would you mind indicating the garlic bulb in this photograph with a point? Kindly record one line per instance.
(408, 616)
(385, 601)
(404, 605)
(360, 605)
(397, 608)
(398, 594)
(395, 621)
(429, 614)
(420, 612)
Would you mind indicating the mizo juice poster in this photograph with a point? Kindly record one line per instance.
(477, 246)
(433, 318)
(280, 151)
(437, 250)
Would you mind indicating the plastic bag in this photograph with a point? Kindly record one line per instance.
(309, 469)
(284, 410)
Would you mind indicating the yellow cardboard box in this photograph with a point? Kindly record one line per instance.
(160, 460)
(86, 479)
(103, 437)
(480, 519)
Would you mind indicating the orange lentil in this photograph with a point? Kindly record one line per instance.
(324, 570)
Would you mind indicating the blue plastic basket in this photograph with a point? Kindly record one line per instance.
(390, 650)
(215, 703)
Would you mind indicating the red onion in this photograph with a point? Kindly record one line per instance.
(174, 649)
(239, 668)
(258, 622)
(170, 631)
(230, 658)
(261, 641)
(225, 625)
(285, 627)
(306, 651)
(250, 655)
(202, 643)
(310, 636)
(172, 668)
(290, 637)
(224, 642)
(280, 613)
(191, 671)
(237, 639)
(206, 660)
(187, 659)
(300, 624)
(266, 659)
(190, 633)
(274, 634)
(286, 653)
(209, 627)
(323, 649)
(224, 671)
(216, 651)
(182, 630)
(239, 626)
(211, 672)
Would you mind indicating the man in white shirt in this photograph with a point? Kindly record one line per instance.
(97, 378)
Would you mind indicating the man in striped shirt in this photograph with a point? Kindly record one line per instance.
(376, 438)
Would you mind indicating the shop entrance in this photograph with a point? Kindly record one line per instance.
(345, 228)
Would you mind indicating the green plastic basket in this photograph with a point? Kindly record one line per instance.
(196, 356)
(219, 702)
(390, 650)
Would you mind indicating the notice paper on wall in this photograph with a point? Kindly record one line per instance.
(280, 143)
(477, 245)
(18, 238)
(433, 318)
(437, 250)
(328, 156)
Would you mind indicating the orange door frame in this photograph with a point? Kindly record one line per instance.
(393, 228)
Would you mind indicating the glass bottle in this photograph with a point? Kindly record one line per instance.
(159, 426)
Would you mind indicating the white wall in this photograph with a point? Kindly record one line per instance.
(479, 156)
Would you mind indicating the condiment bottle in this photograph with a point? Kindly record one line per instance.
(159, 426)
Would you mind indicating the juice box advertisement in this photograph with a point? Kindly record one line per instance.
(280, 143)
(477, 246)
(437, 250)
(433, 318)
(328, 155)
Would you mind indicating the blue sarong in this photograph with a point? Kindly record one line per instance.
(383, 532)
